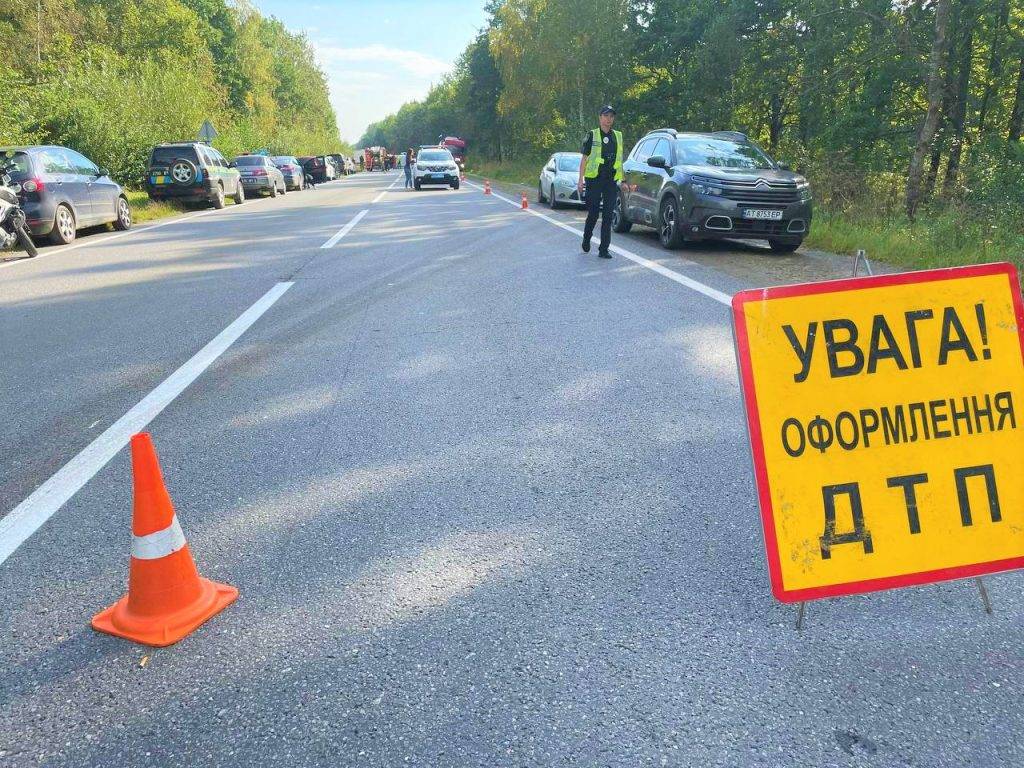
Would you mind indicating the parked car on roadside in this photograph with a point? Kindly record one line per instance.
(63, 191)
(194, 172)
(260, 176)
(291, 169)
(704, 186)
(319, 168)
(435, 166)
(558, 179)
(339, 165)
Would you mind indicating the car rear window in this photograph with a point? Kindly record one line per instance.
(22, 166)
(285, 160)
(167, 155)
(249, 160)
(434, 156)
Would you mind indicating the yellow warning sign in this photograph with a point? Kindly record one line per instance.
(886, 427)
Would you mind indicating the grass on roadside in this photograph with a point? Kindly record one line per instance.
(144, 209)
(937, 239)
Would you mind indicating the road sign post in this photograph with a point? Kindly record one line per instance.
(886, 429)
(207, 133)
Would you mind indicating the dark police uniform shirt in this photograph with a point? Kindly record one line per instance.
(607, 168)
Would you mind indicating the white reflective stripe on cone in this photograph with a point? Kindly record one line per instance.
(159, 544)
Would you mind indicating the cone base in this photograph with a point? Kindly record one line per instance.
(167, 629)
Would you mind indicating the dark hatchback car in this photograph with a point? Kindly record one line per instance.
(192, 171)
(63, 191)
(320, 167)
(703, 186)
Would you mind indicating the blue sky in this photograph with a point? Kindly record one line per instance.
(379, 55)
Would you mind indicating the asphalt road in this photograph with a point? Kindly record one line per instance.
(487, 500)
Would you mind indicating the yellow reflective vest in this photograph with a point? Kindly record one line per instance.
(594, 159)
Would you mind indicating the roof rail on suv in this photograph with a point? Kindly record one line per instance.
(661, 130)
(734, 135)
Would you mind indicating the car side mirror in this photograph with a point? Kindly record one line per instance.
(785, 167)
(657, 161)
(103, 172)
(231, 165)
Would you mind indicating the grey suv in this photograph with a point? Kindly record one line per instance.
(703, 186)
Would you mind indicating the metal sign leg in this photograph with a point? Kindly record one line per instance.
(984, 595)
(800, 617)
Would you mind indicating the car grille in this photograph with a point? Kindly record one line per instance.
(760, 192)
(747, 227)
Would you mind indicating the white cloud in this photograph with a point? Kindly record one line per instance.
(370, 82)
(414, 62)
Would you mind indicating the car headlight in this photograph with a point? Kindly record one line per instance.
(805, 192)
(706, 189)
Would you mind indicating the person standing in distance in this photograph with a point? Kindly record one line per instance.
(600, 175)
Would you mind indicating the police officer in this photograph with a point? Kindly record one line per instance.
(600, 175)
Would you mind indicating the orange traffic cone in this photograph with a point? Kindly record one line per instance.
(525, 204)
(167, 598)
(487, 187)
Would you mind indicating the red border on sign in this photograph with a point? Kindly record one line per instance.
(739, 301)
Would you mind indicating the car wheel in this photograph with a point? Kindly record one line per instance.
(783, 246)
(64, 227)
(239, 194)
(540, 193)
(455, 185)
(620, 223)
(284, 188)
(123, 221)
(670, 231)
(183, 171)
(218, 197)
(273, 190)
(552, 200)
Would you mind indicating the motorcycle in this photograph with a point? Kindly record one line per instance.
(12, 217)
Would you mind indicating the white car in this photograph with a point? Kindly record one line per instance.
(558, 179)
(435, 166)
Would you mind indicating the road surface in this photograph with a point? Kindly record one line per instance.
(487, 500)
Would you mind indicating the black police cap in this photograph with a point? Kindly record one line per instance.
(607, 109)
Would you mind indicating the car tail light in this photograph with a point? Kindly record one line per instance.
(33, 185)
(259, 172)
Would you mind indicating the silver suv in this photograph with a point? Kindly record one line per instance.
(705, 186)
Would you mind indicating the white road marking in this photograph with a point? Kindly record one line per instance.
(87, 241)
(346, 229)
(26, 518)
(381, 195)
(689, 282)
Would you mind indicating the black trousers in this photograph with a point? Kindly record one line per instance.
(602, 193)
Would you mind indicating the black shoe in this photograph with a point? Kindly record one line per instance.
(586, 245)
(604, 254)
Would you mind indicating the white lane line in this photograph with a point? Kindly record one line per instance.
(689, 282)
(345, 230)
(84, 243)
(26, 518)
(381, 195)
(91, 241)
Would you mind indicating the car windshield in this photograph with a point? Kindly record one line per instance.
(285, 160)
(720, 153)
(434, 156)
(22, 166)
(569, 163)
(249, 160)
(167, 155)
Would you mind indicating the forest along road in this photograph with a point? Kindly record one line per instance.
(486, 498)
